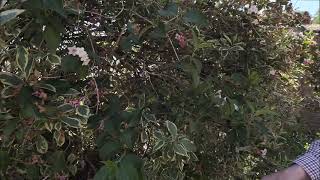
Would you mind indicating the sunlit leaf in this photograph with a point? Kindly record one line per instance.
(172, 128)
(188, 145)
(179, 149)
(42, 144)
(59, 137)
(72, 122)
(8, 15)
(83, 111)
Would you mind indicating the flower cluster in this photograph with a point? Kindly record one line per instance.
(253, 9)
(40, 94)
(79, 51)
(272, 72)
(75, 102)
(182, 40)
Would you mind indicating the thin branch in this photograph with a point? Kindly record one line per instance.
(108, 17)
(97, 94)
(174, 49)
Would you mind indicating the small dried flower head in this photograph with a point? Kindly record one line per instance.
(75, 102)
(182, 40)
(253, 9)
(307, 62)
(272, 72)
(264, 153)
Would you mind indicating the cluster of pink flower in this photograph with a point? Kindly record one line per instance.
(75, 102)
(40, 94)
(79, 51)
(307, 62)
(182, 40)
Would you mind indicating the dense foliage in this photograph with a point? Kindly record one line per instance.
(146, 89)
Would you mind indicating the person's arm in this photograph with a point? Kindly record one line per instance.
(306, 167)
(294, 172)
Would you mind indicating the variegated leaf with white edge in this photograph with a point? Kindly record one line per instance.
(172, 128)
(71, 92)
(59, 137)
(179, 149)
(83, 111)
(72, 122)
(8, 92)
(42, 145)
(48, 87)
(65, 108)
(10, 79)
(22, 58)
(54, 59)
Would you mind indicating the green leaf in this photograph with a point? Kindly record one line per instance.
(83, 111)
(25, 101)
(72, 122)
(195, 17)
(29, 68)
(10, 127)
(42, 145)
(188, 145)
(4, 160)
(109, 149)
(127, 42)
(71, 64)
(179, 149)
(158, 145)
(171, 9)
(8, 15)
(55, 5)
(47, 87)
(172, 128)
(22, 58)
(65, 108)
(73, 169)
(58, 161)
(159, 32)
(10, 79)
(102, 174)
(52, 38)
(8, 92)
(127, 138)
(133, 159)
(33, 172)
(54, 59)
(71, 92)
